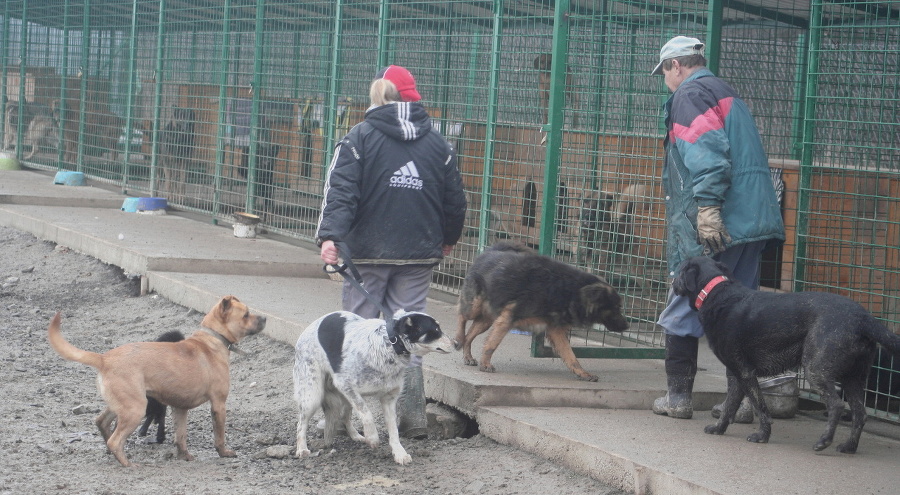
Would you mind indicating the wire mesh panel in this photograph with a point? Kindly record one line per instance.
(850, 177)
(235, 105)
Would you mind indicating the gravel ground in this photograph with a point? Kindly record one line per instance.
(50, 443)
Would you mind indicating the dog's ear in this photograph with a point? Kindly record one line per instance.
(225, 305)
(724, 269)
(685, 283)
(415, 326)
(228, 301)
(598, 296)
(602, 304)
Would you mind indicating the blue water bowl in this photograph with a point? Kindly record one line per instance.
(132, 205)
(67, 178)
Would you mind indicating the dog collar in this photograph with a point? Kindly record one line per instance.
(398, 344)
(231, 346)
(703, 294)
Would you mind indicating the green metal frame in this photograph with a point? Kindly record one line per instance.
(474, 61)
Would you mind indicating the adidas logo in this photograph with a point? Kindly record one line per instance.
(407, 176)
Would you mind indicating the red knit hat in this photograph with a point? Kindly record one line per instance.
(403, 80)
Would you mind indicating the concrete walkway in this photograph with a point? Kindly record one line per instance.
(604, 430)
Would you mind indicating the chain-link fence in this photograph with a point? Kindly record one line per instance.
(235, 105)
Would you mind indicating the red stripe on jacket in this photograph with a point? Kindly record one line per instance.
(710, 120)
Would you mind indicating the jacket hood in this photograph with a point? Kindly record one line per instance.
(403, 121)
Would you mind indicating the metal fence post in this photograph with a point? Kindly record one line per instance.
(558, 69)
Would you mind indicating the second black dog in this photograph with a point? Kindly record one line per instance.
(156, 410)
(758, 333)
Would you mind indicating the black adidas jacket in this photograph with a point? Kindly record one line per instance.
(393, 191)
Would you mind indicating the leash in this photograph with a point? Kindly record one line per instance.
(355, 279)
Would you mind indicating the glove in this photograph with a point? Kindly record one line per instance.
(711, 231)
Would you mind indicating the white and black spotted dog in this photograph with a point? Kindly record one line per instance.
(342, 357)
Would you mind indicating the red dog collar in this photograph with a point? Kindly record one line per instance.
(703, 294)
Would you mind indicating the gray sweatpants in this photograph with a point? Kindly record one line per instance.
(395, 286)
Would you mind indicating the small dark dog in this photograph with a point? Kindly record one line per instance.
(156, 410)
(266, 152)
(176, 150)
(758, 333)
(596, 226)
(511, 286)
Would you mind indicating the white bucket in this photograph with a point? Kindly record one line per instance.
(244, 230)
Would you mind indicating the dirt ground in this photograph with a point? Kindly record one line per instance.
(50, 444)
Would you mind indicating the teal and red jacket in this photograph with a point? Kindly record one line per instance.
(714, 157)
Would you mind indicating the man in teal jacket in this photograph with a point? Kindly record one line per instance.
(720, 200)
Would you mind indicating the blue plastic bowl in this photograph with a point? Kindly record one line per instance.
(67, 178)
(132, 205)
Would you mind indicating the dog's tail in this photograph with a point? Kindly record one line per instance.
(67, 350)
(881, 334)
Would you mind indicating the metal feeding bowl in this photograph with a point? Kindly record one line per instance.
(245, 224)
(782, 396)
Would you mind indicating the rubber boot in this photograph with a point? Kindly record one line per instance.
(744, 414)
(411, 419)
(681, 367)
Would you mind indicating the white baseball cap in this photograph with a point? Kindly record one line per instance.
(678, 46)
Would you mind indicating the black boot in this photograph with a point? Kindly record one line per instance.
(681, 366)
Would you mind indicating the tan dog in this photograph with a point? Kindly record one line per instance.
(40, 125)
(182, 375)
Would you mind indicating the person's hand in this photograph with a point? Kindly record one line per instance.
(329, 253)
(711, 231)
(447, 249)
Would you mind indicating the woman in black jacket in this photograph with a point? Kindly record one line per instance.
(394, 196)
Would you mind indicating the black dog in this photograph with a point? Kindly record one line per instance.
(156, 410)
(176, 150)
(763, 334)
(266, 152)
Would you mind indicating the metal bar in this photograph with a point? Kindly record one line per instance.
(64, 110)
(223, 99)
(487, 173)
(255, 90)
(82, 75)
(4, 71)
(23, 53)
(558, 69)
(598, 94)
(384, 28)
(809, 131)
(157, 100)
(714, 35)
(330, 111)
(799, 95)
(129, 102)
